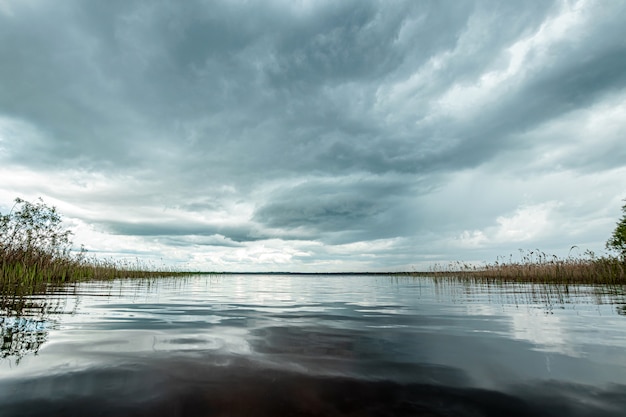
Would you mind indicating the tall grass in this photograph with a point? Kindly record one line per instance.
(536, 266)
(30, 268)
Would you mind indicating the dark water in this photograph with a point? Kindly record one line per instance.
(314, 345)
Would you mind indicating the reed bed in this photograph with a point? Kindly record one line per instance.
(28, 273)
(536, 266)
(36, 250)
(28, 269)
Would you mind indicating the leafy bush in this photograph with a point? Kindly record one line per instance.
(31, 231)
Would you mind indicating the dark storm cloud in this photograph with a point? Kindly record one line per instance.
(130, 82)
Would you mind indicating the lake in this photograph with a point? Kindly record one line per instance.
(308, 345)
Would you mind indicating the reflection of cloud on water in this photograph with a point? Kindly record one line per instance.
(21, 336)
(545, 331)
(554, 318)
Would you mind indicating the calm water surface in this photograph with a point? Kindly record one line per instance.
(261, 345)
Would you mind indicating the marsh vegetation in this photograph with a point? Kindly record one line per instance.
(536, 266)
(36, 250)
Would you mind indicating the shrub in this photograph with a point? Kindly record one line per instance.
(617, 241)
(31, 231)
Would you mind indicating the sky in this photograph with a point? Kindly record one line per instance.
(317, 136)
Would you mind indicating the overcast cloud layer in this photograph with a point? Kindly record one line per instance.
(317, 135)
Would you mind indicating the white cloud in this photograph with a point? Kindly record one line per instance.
(525, 225)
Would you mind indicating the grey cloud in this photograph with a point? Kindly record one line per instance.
(349, 41)
(327, 212)
(195, 241)
(340, 211)
(145, 66)
(243, 85)
(241, 233)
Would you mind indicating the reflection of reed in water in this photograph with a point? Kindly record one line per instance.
(25, 322)
(549, 295)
